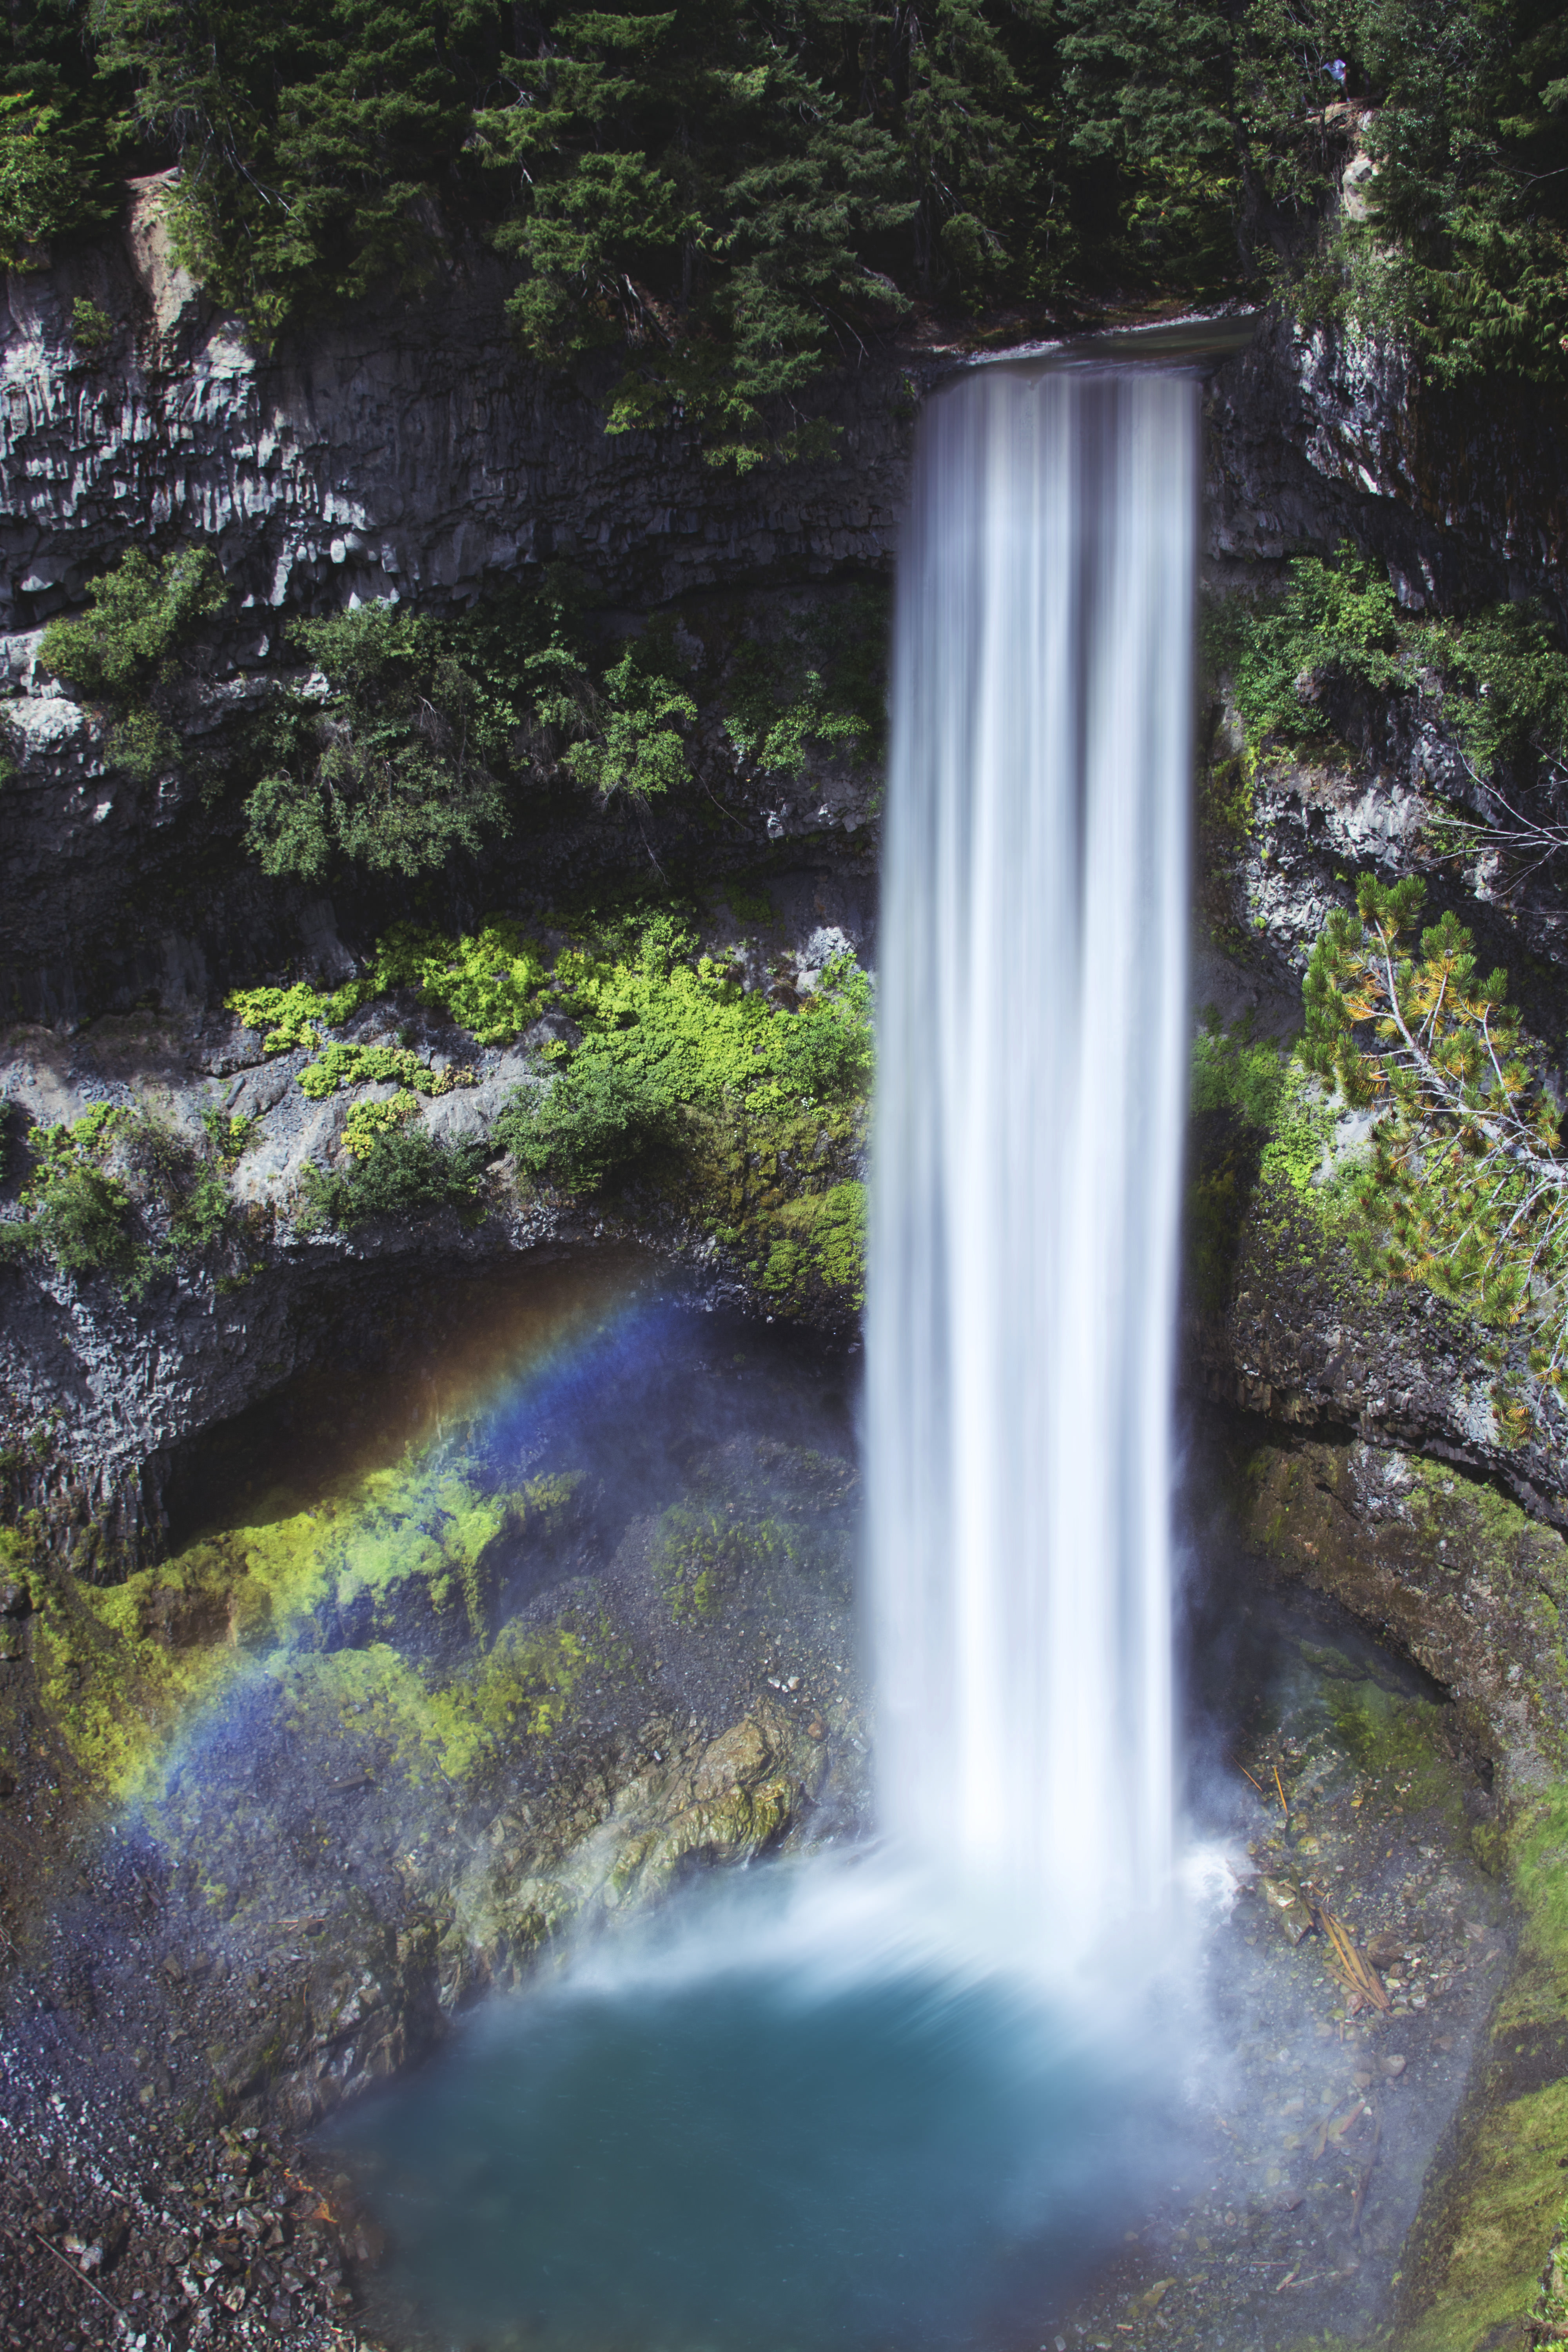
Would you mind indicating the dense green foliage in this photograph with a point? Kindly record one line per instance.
(1466, 1189)
(492, 982)
(738, 1110)
(393, 770)
(695, 193)
(665, 1027)
(1293, 660)
(416, 733)
(669, 1030)
(402, 1171)
(1236, 1073)
(1336, 621)
(124, 654)
(402, 754)
(117, 1192)
(819, 680)
(290, 1017)
(345, 1064)
(1465, 246)
(730, 196)
(76, 1212)
(46, 183)
(643, 714)
(1511, 711)
(592, 1122)
(410, 739)
(403, 748)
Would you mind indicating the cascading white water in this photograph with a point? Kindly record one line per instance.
(1031, 1094)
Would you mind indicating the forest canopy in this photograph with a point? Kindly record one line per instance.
(733, 194)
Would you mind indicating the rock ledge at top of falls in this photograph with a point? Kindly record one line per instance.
(404, 449)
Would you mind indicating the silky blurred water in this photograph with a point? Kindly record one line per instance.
(1030, 1105)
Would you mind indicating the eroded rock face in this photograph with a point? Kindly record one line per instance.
(1459, 1578)
(1315, 436)
(1300, 1338)
(688, 1802)
(406, 450)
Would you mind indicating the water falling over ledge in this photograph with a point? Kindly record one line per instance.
(1029, 1143)
(852, 2101)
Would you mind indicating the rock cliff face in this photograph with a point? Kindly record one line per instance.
(1315, 436)
(407, 452)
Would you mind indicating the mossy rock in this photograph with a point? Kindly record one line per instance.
(1479, 2271)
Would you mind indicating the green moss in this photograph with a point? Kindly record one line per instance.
(702, 1552)
(121, 1667)
(747, 902)
(1301, 1132)
(1509, 1547)
(755, 1508)
(750, 1115)
(422, 1723)
(18, 1547)
(1499, 2230)
(822, 1238)
(1226, 801)
(490, 980)
(1502, 2212)
(291, 1017)
(1385, 1734)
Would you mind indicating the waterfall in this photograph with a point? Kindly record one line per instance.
(1031, 1095)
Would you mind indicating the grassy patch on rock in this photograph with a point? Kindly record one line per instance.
(741, 1111)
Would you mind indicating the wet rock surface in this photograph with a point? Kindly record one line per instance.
(320, 1863)
(1313, 2114)
(1462, 1579)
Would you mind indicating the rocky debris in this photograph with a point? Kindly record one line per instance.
(1308, 2128)
(1288, 1908)
(226, 2242)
